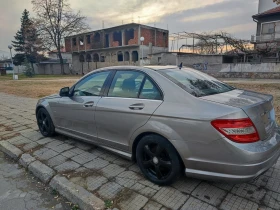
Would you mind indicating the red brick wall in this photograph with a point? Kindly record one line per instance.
(149, 35)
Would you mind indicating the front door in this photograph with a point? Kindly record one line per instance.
(131, 100)
(76, 113)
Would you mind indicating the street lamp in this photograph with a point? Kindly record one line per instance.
(11, 47)
(142, 45)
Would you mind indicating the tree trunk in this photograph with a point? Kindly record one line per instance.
(33, 71)
(60, 58)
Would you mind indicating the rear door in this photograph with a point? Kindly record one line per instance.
(76, 113)
(129, 103)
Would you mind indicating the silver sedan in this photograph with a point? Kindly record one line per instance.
(169, 120)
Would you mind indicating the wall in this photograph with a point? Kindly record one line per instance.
(111, 59)
(209, 63)
(52, 68)
(244, 67)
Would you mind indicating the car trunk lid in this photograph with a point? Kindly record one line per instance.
(257, 106)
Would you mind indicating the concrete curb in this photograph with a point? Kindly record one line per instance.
(41, 171)
(74, 193)
(10, 150)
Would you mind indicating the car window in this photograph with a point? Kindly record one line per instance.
(150, 91)
(126, 84)
(195, 82)
(91, 85)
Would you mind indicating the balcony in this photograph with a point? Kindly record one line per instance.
(275, 37)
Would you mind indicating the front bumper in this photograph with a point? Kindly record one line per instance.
(246, 161)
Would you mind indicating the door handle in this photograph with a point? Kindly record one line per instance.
(137, 106)
(89, 104)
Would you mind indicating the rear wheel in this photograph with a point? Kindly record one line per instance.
(45, 123)
(158, 160)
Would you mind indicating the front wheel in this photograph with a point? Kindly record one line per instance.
(158, 160)
(45, 123)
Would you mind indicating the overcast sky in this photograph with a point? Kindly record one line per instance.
(233, 16)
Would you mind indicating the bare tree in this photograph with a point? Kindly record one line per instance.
(55, 19)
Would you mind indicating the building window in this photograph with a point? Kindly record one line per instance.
(81, 39)
(120, 56)
(96, 37)
(74, 40)
(95, 57)
(102, 57)
(88, 39)
(126, 56)
(135, 56)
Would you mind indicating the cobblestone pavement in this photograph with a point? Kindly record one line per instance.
(119, 182)
(21, 191)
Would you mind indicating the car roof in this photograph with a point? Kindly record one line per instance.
(157, 68)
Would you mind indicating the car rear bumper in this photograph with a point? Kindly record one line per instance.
(235, 173)
(253, 160)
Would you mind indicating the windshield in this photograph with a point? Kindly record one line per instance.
(195, 82)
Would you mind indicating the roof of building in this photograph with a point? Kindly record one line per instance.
(119, 26)
(273, 11)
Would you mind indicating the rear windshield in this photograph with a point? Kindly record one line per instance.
(195, 82)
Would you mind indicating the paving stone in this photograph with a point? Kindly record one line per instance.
(76, 194)
(41, 171)
(135, 168)
(54, 144)
(83, 146)
(72, 152)
(170, 197)
(223, 185)
(96, 164)
(67, 166)
(20, 128)
(26, 159)
(186, 185)
(79, 181)
(45, 154)
(149, 184)
(232, 202)
(19, 140)
(57, 160)
(108, 156)
(83, 158)
(208, 193)
(44, 141)
(272, 200)
(62, 147)
(33, 136)
(249, 192)
(98, 151)
(152, 205)
(123, 162)
(112, 170)
(94, 182)
(127, 178)
(30, 146)
(195, 204)
(135, 201)
(109, 190)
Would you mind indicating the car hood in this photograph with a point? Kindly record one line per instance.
(239, 98)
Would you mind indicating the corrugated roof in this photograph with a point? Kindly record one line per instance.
(269, 12)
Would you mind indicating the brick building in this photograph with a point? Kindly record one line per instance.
(114, 46)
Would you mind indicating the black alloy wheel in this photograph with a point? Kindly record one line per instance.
(158, 160)
(45, 123)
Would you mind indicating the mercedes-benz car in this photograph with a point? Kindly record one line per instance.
(169, 120)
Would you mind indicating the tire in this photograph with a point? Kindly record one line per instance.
(45, 123)
(158, 160)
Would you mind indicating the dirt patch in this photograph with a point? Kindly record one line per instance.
(5, 128)
(9, 136)
(34, 88)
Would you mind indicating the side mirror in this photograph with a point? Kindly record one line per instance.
(64, 92)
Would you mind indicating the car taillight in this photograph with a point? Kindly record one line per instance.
(240, 131)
